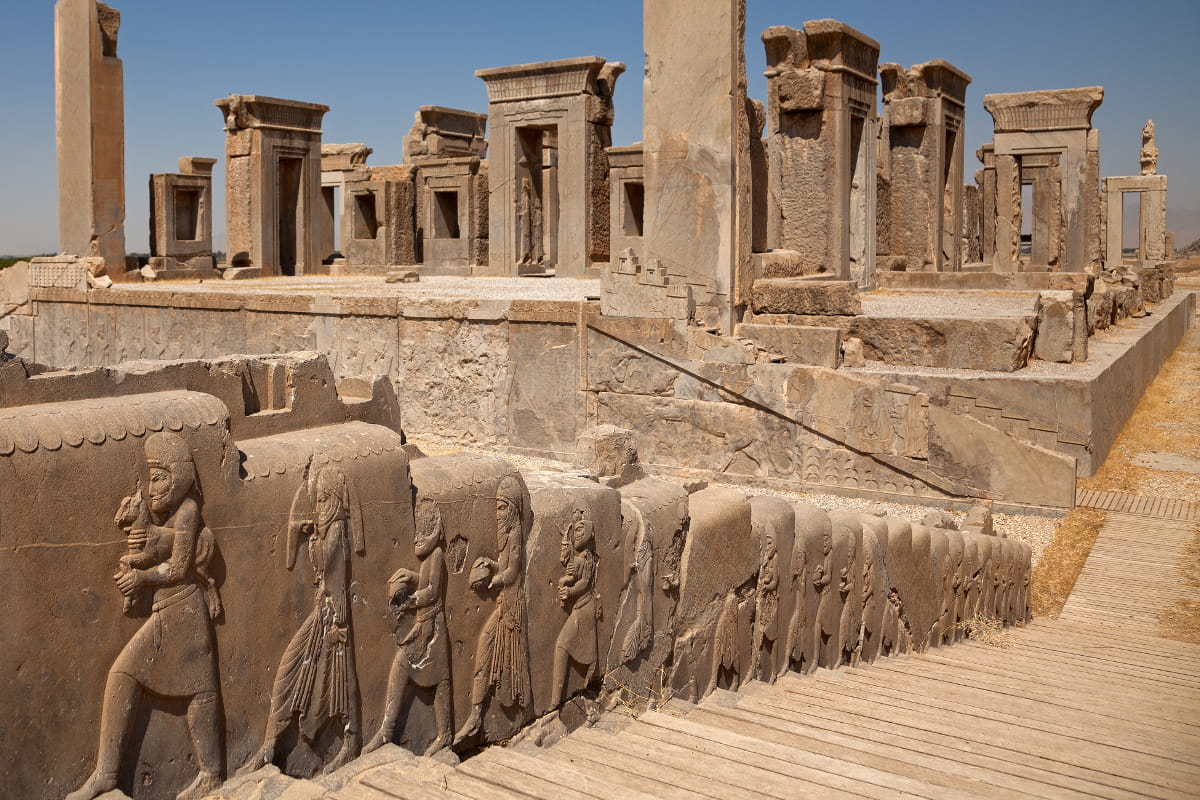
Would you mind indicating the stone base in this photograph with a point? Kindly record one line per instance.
(999, 344)
(805, 296)
(798, 344)
(241, 273)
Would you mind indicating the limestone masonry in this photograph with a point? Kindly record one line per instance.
(472, 448)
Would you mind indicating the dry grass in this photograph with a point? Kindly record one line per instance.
(986, 630)
(1163, 422)
(1060, 565)
(1181, 620)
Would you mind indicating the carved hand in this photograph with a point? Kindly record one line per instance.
(130, 580)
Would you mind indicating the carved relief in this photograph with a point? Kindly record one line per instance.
(828, 614)
(173, 654)
(873, 599)
(766, 612)
(423, 658)
(577, 641)
(848, 629)
(502, 654)
(316, 684)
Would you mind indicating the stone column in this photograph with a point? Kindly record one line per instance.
(1154, 222)
(696, 156)
(1114, 222)
(90, 121)
(985, 179)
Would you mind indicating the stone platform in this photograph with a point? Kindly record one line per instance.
(528, 364)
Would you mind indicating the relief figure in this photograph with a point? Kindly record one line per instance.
(317, 683)
(798, 652)
(828, 618)
(502, 655)
(766, 617)
(848, 631)
(423, 658)
(577, 641)
(173, 654)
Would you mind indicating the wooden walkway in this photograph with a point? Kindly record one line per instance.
(1093, 704)
(1163, 507)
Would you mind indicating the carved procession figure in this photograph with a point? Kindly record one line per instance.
(577, 641)
(798, 643)
(423, 658)
(848, 633)
(766, 617)
(502, 655)
(828, 616)
(317, 683)
(173, 654)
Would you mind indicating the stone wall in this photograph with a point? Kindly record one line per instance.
(289, 572)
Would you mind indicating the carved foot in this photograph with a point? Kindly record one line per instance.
(377, 741)
(471, 726)
(264, 756)
(205, 784)
(350, 750)
(440, 743)
(96, 785)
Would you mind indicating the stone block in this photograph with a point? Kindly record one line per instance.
(1055, 329)
(977, 455)
(798, 344)
(805, 296)
(606, 450)
(782, 264)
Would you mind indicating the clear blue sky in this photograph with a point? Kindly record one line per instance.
(375, 62)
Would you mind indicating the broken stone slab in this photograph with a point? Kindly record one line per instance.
(1001, 344)
(608, 451)
(782, 264)
(1055, 329)
(403, 276)
(705, 346)
(805, 296)
(852, 352)
(241, 273)
(798, 344)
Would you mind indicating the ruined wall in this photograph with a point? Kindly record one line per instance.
(330, 572)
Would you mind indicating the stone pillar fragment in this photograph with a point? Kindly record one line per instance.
(821, 91)
(922, 128)
(90, 121)
(1034, 126)
(273, 183)
(181, 217)
(697, 157)
(548, 208)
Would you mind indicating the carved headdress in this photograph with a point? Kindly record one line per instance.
(328, 490)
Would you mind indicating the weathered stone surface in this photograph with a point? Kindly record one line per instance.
(819, 347)
(718, 572)
(90, 123)
(1002, 344)
(697, 155)
(805, 296)
(606, 450)
(774, 522)
(1054, 340)
(982, 456)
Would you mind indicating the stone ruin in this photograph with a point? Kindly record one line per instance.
(255, 564)
(250, 540)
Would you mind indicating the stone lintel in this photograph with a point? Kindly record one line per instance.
(196, 165)
(629, 156)
(344, 157)
(257, 111)
(570, 76)
(936, 78)
(1136, 183)
(1048, 110)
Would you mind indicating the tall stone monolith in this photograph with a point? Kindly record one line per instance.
(90, 119)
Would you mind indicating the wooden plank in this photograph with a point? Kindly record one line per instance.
(1004, 749)
(616, 770)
